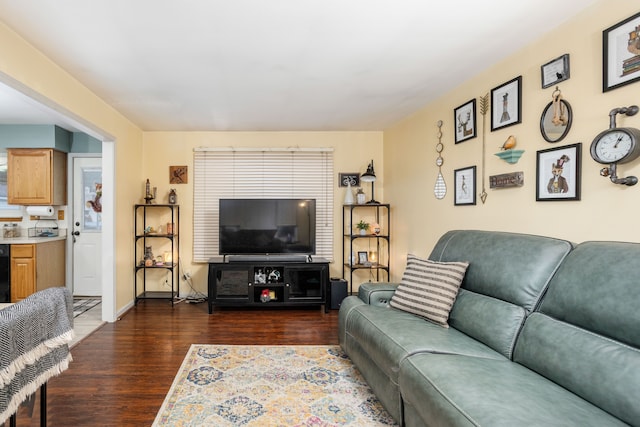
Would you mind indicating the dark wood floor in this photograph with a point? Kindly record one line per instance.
(121, 373)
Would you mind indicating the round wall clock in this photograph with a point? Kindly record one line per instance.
(617, 145)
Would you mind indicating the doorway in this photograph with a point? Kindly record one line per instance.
(86, 230)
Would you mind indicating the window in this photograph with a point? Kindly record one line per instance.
(6, 210)
(228, 173)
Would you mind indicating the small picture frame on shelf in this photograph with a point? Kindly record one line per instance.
(555, 71)
(363, 258)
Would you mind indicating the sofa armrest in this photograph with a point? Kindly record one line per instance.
(377, 293)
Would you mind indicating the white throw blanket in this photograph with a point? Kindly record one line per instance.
(34, 338)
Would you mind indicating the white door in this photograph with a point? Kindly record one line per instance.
(87, 226)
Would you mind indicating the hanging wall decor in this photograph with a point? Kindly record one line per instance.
(484, 108)
(440, 189)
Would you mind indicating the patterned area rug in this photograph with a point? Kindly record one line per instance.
(270, 386)
(80, 305)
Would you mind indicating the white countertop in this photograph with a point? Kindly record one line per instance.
(31, 240)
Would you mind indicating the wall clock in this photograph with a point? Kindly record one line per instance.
(617, 145)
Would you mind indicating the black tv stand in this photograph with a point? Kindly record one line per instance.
(268, 281)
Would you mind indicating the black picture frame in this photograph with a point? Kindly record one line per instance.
(363, 258)
(464, 117)
(464, 186)
(555, 71)
(345, 177)
(621, 65)
(506, 104)
(566, 185)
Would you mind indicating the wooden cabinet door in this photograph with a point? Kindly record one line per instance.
(36, 176)
(23, 272)
(28, 176)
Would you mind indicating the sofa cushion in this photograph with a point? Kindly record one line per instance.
(586, 336)
(457, 390)
(594, 367)
(388, 335)
(472, 312)
(429, 288)
(505, 269)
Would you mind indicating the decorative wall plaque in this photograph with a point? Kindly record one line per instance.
(507, 180)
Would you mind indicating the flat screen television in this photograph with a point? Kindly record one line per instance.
(267, 226)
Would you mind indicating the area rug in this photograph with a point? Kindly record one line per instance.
(270, 386)
(83, 304)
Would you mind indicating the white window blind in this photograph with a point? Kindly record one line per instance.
(227, 173)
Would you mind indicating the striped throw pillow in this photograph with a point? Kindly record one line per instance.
(429, 288)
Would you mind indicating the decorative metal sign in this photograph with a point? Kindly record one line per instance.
(507, 180)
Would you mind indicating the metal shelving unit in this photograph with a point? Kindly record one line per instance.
(144, 238)
(382, 214)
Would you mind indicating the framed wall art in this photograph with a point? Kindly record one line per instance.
(555, 71)
(348, 178)
(465, 186)
(465, 119)
(558, 173)
(621, 53)
(178, 174)
(506, 104)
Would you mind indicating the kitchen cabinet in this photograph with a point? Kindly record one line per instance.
(36, 266)
(36, 176)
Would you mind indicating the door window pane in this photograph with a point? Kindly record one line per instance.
(92, 199)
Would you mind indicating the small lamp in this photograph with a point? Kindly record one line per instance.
(370, 176)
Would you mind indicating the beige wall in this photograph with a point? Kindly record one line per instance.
(352, 152)
(26, 68)
(404, 162)
(605, 211)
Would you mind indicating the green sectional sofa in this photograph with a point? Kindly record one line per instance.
(542, 333)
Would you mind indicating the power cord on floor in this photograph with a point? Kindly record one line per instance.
(195, 297)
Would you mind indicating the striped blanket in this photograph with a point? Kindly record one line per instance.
(34, 337)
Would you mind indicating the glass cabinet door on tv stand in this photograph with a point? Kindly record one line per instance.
(156, 252)
(368, 251)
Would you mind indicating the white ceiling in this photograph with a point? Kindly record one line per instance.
(263, 65)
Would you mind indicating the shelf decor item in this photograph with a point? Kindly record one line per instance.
(360, 196)
(173, 197)
(348, 195)
(508, 154)
(363, 227)
(621, 53)
(370, 176)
